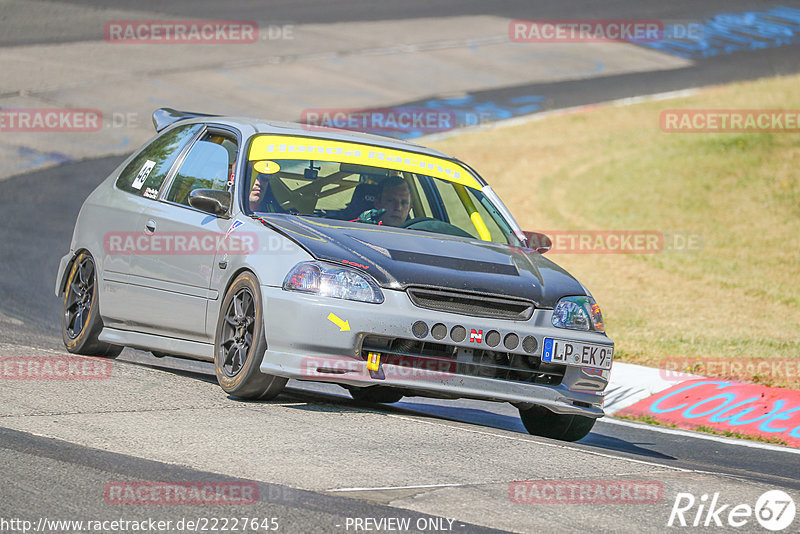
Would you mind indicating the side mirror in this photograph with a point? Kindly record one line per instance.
(210, 200)
(538, 242)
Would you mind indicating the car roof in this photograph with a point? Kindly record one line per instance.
(164, 117)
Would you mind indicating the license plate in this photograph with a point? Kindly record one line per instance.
(576, 353)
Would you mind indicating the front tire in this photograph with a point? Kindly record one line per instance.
(539, 421)
(376, 394)
(240, 343)
(80, 318)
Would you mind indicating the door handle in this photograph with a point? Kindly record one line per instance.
(150, 226)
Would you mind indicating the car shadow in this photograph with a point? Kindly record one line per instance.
(315, 397)
(596, 439)
(484, 418)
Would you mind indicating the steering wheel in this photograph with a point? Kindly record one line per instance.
(431, 224)
(411, 222)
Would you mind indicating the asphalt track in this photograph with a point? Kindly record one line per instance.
(79, 28)
(60, 443)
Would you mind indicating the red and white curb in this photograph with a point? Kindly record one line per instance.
(690, 401)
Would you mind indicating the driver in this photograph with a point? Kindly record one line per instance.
(392, 204)
(257, 198)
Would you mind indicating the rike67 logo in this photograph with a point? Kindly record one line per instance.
(774, 510)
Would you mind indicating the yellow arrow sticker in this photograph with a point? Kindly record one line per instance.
(343, 325)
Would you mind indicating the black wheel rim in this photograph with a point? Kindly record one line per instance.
(78, 301)
(237, 332)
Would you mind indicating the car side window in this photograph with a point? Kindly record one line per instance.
(145, 174)
(208, 165)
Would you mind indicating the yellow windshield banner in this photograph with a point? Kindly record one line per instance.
(272, 147)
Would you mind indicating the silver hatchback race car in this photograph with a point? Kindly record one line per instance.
(280, 251)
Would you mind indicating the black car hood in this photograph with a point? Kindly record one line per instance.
(398, 258)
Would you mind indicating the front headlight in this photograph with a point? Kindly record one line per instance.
(578, 313)
(332, 281)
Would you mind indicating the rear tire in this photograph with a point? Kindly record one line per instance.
(240, 343)
(80, 318)
(539, 421)
(376, 394)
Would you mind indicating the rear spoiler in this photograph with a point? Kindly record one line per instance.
(163, 117)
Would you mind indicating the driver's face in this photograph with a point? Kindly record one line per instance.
(259, 186)
(397, 203)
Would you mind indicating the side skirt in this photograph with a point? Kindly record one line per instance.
(169, 345)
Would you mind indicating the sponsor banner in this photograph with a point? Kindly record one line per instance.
(586, 492)
(726, 406)
(180, 493)
(730, 121)
(280, 147)
(181, 31)
(53, 368)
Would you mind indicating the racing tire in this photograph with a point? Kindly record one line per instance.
(240, 343)
(539, 421)
(376, 394)
(80, 312)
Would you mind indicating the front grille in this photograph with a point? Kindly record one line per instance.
(474, 304)
(450, 359)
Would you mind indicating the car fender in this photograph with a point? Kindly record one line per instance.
(273, 257)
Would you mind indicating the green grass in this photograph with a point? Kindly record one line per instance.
(612, 168)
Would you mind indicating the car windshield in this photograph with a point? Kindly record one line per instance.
(371, 185)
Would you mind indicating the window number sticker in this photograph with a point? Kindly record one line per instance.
(143, 174)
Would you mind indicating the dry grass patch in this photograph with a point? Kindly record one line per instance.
(612, 168)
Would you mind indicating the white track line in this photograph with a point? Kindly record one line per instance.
(423, 486)
(702, 435)
(540, 115)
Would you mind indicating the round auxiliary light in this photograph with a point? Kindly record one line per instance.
(458, 333)
(493, 338)
(419, 329)
(529, 344)
(511, 341)
(439, 331)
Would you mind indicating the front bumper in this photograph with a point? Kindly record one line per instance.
(308, 339)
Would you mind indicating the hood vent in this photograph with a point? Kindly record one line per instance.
(474, 304)
(458, 264)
